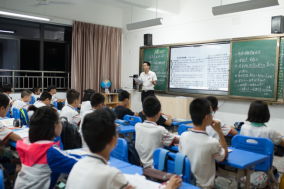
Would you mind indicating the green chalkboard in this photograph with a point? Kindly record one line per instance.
(254, 69)
(280, 71)
(158, 57)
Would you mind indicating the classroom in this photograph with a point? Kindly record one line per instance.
(117, 69)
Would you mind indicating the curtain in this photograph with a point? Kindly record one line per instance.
(96, 55)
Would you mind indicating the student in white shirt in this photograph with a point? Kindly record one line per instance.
(69, 111)
(258, 115)
(97, 102)
(86, 104)
(36, 91)
(93, 171)
(24, 101)
(44, 100)
(225, 128)
(7, 89)
(52, 90)
(149, 79)
(201, 149)
(11, 165)
(149, 135)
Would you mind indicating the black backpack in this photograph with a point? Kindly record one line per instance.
(59, 105)
(133, 156)
(70, 137)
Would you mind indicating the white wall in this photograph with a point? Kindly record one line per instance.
(195, 22)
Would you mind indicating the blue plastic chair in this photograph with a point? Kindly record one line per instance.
(16, 113)
(32, 100)
(55, 104)
(257, 145)
(170, 164)
(121, 150)
(132, 119)
(1, 180)
(182, 128)
(8, 114)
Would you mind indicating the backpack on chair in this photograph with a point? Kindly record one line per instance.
(133, 156)
(70, 136)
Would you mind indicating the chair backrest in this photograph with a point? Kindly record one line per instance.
(16, 113)
(55, 104)
(170, 164)
(257, 145)
(132, 119)
(120, 151)
(32, 100)
(1, 180)
(8, 114)
(182, 128)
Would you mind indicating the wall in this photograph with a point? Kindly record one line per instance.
(195, 22)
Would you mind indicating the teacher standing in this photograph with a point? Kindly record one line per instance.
(149, 79)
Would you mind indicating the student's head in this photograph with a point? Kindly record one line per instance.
(45, 97)
(100, 131)
(214, 102)
(201, 112)
(258, 112)
(26, 95)
(97, 101)
(87, 95)
(152, 107)
(36, 90)
(44, 124)
(73, 97)
(4, 105)
(146, 65)
(51, 89)
(123, 96)
(7, 88)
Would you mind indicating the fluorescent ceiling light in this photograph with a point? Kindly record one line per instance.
(158, 10)
(23, 16)
(7, 31)
(243, 6)
(144, 24)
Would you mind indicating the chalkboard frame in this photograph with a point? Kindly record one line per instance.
(276, 69)
(141, 64)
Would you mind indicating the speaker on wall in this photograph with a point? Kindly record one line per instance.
(277, 24)
(148, 39)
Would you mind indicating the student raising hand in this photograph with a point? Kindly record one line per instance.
(174, 182)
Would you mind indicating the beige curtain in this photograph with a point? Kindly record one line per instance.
(96, 55)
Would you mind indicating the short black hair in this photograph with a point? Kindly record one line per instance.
(96, 99)
(98, 129)
(148, 63)
(198, 109)
(151, 106)
(214, 102)
(44, 96)
(7, 88)
(72, 95)
(88, 93)
(50, 87)
(42, 123)
(4, 100)
(26, 92)
(258, 112)
(35, 89)
(123, 95)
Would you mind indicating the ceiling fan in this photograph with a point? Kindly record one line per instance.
(45, 2)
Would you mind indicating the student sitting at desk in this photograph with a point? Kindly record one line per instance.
(52, 90)
(24, 101)
(69, 110)
(36, 91)
(258, 114)
(225, 128)
(121, 110)
(201, 149)
(7, 89)
(93, 172)
(86, 104)
(44, 100)
(42, 159)
(97, 102)
(11, 165)
(149, 135)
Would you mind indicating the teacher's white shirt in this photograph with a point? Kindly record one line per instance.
(146, 78)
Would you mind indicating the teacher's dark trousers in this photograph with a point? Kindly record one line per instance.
(146, 94)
